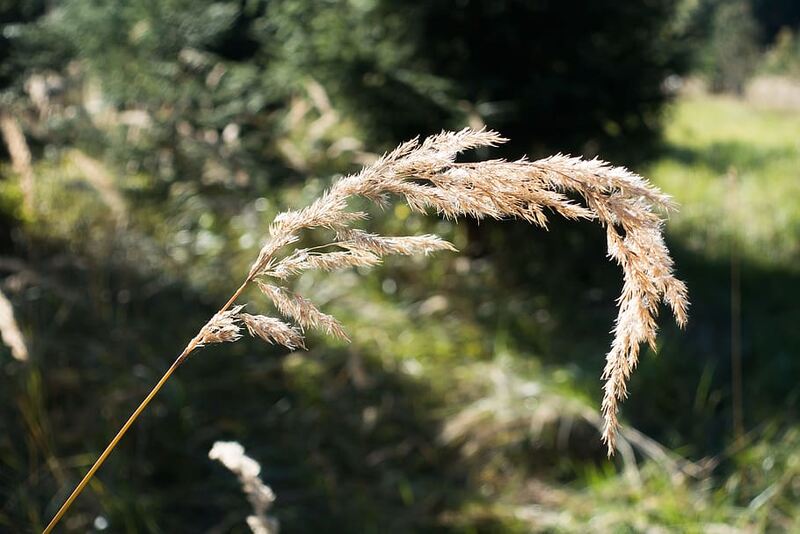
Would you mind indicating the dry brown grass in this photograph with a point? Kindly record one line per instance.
(20, 156)
(10, 331)
(426, 175)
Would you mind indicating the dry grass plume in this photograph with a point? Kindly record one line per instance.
(427, 177)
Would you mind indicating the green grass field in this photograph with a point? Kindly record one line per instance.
(735, 171)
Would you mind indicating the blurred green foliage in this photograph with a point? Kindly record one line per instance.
(784, 56)
(733, 40)
(775, 15)
(732, 53)
(397, 69)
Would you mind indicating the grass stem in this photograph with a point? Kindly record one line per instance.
(193, 344)
(102, 458)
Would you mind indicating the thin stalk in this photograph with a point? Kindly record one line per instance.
(736, 346)
(736, 314)
(193, 344)
(82, 484)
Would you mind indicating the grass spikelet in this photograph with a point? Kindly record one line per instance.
(305, 260)
(302, 311)
(273, 331)
(222, 328)
(384, 246)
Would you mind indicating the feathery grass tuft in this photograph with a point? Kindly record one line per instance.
(426, 175)
(231, 454)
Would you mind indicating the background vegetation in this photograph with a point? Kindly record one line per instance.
(165, 135)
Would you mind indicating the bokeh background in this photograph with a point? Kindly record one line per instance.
(147, 144)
